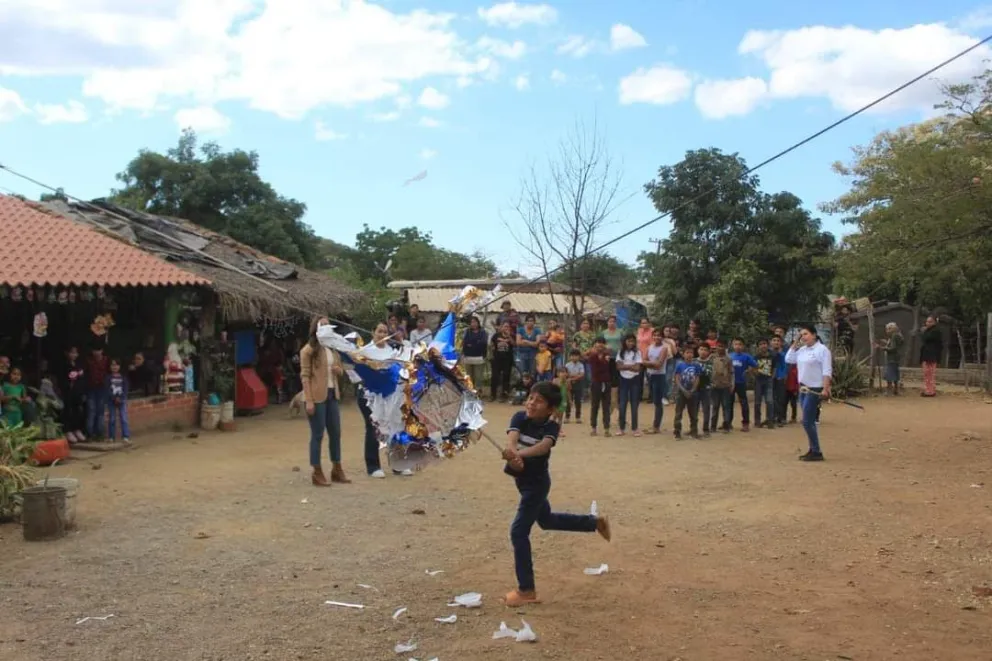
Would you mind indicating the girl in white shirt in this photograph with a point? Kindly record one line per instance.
(815, 365)
(629, 366)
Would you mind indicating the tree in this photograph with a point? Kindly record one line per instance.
(57, 196)
(733, 304)
(719, 216)
(221, 191)
(412, 255)
(562, 208)
(603, 274)
(920, 199)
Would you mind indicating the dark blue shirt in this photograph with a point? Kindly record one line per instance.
(780, 366)
(741, 361)
(687, 374)
(474, 343)
(531, 433)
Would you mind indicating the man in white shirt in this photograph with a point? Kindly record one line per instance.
(421, 333)
(815, 366)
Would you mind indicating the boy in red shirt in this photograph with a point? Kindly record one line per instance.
(791, 392)
(599, 358)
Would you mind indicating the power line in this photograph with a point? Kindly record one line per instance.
(662, 216)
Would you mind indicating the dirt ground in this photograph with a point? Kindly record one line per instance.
(215, 548)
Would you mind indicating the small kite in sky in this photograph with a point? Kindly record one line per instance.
(417, 177)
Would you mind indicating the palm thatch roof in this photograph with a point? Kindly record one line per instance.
(249, 283)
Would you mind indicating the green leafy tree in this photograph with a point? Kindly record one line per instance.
(602, 274)
(412, 255)
(719, 216)
(919, 200)
(733, 304)
(221, 191)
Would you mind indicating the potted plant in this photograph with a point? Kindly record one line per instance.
(17, 444)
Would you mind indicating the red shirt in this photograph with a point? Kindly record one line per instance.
(792, 379)
(96, 372)
(599, 367)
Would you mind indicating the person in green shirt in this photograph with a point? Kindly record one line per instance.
(13, 395)
(892, 345)
(583, 339)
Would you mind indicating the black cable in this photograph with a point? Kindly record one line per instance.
(662, 216)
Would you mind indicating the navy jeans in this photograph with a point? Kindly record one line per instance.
(740, 390)
(778, 394)
(810, 403)
(629, 393)
(96, 406)
(119, 412)
(326, 415)
(371, 436)
(763, 393)
(722, 400)
(535, 508)
(658, 385)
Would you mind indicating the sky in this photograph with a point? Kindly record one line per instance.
(345, 100)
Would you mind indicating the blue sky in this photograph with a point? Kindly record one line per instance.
(344, 101)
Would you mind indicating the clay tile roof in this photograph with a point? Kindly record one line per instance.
(41, 248)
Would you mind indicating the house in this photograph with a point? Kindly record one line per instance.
(909, 320)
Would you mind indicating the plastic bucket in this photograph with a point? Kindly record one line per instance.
(227, 412)
(71, 486)
(209, 416)
(43, 513)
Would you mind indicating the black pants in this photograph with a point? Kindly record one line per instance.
(599, 398)
(574, 400)
(704, 400)
(791, 402)
(74, 414)
(721, 401)
(371, 436)
(688, 403)
(778, 392)
(502, 370)
(740, 390)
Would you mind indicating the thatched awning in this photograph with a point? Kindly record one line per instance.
(248, 283)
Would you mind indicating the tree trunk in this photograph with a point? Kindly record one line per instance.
(961, 361)
(988, 353)
(874, 350)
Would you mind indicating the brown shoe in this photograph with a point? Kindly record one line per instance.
(518, 598)
(337, 475)
(603, 527)
(318, 478)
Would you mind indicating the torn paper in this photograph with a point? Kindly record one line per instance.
(468, 600)
(504, 632)
(525, 635)
(434, 572)
(344, 605)
(366, 587)
(596, 571)
(451, 619)
(594, 509)
(399, 611)
(102, 618)
(404, 648)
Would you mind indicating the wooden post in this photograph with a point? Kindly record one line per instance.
(988, 353)
(871, 343)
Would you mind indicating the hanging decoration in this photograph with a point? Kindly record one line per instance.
(29, 295)
(15, 294)
(421, 402)
(40, 324)
(102, 324)
(277, 328)
(52, 297)
(4, 292)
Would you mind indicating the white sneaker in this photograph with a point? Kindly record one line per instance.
(71, 437)
(379, 474)
(665, 402)
(405, 473)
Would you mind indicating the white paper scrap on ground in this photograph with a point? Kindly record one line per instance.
(102, 618)
(344, 605)
(504, 632)
(403, 648)
(526, 635)
(468, 600)
(594, 509)
(366, 587)
(451, 619)
(596, 571)
(434, 572)
(304, 501)
(399, 611)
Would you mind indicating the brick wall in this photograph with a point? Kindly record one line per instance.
(163, 412)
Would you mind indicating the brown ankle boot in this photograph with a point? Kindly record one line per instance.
(337, 475)
(318, 478)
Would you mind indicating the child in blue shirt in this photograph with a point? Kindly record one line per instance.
(781, 372)
(743, 362)
(529, 439)
(687, 378)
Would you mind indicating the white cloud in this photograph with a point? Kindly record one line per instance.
(12, 105)
(325, 133)
(500, 48)
(72, 112)
(851, 66)
(287, 58)
(514, 15)
(203, 119)
(577, 46)
(660, 85)
(718, 99)
(431, 98)
(558, 77)
(464, 81)
(522, 82)
(979, 19)
(429, 123)
(385, 116)
(427, 154)
(623, 37)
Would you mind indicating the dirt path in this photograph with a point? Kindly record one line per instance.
(724, 549)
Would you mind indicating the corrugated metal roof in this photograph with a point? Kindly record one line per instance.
(41, 248)
(436, 300)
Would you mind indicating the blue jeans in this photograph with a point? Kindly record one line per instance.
(658, 386)
(810, 404)
(371, 436)
(118, 411)
(763, 392)
(629, 393)
(670, 376)
(535, 508)
(721, 400)
(96, 405)
(326, 415)
(526, 364)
